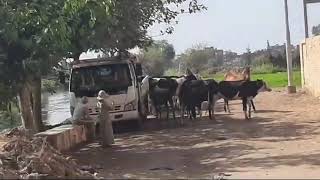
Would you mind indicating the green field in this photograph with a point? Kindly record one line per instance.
(279, 79)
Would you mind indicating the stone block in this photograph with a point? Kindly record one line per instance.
(65, 137)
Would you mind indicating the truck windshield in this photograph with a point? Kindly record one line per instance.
(88, 81)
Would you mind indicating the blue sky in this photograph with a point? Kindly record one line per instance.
(236, 24)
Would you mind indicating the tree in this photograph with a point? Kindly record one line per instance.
(247, 57)
(35, 33)
(30, 32)
(118, 25)
(158, 57)
(199, 57)
(316, 30)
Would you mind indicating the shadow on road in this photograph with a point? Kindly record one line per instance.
(201, 148)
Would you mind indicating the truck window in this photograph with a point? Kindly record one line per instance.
(113, 78)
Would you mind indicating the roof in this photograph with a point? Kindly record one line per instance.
(99, 62)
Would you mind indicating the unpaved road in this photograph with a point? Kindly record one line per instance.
(281, 141)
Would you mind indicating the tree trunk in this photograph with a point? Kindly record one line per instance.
(36, 96)
(25, 107)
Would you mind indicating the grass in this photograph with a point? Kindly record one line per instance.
(279, 79)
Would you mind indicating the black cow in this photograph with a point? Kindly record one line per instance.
(161, 93)
(244, 90)
(227, 108)
(194, 92)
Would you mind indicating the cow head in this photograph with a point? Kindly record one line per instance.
(263, 87)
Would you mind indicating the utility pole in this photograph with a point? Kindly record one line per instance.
(305, 13)
(291, 87)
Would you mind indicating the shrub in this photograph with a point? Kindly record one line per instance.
(171, 72)
(49, 85)
(266, 68)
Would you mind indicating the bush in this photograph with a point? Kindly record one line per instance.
(9, 120)
(171, 72)
(266, 69)
(49, 85)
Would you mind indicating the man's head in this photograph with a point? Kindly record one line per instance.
(102, 95)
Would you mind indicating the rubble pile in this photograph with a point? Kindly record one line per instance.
(34, 158)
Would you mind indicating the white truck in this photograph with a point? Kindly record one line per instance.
(121, 78)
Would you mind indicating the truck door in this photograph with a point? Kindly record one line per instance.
(144, 87)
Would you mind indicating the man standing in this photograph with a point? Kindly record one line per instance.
(106, 130)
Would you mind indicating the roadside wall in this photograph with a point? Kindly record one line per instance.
(310, 65)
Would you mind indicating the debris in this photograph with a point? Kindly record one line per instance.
(34, 158)
(18, 132)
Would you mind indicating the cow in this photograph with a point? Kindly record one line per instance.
(244, 90)
(161, 92)
(194, 93)
(237, 76)
(189, 76)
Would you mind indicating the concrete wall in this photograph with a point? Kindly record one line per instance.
(310, 65)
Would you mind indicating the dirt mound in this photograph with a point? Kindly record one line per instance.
(34, 158)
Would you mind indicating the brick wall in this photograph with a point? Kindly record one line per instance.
(310, 65)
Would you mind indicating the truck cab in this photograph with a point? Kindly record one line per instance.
(121, 78)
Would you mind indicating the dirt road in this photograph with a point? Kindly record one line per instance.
(281, 141)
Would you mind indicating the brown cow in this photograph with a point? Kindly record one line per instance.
(236, 75)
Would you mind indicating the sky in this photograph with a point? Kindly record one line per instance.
(238, 24)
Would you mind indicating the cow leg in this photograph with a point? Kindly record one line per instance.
(182, 111)
(182, 114)
(171, 103)
(159, 112)
(193, 112)
(168, 111)
(228, 108)
(212, 104)
(200, 111)
(253, 106)
(244, 104)
(211, 110)
(225, 105)
(249, 101)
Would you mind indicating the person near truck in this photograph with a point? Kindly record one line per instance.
(81, 116)
(106, 129)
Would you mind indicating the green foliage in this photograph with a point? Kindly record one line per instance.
(275, 80)
(9, 120)
(199, 58)
(247, 60)
(261, 60)
(118, 25)
(266, 69)
(171, 72)
(279, 79)
(316, 30)
(35, 34)
(49, 85)
(157, 58)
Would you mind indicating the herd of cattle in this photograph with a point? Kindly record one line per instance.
(189, 92)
